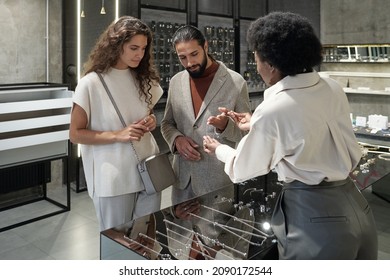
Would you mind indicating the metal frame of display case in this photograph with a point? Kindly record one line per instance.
(62, 207)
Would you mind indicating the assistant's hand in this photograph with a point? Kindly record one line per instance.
(242, 120)
(187, 148)
(210, 144)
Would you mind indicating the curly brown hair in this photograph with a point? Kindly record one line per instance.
(109, 46)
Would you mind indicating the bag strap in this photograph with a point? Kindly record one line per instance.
(117, 110)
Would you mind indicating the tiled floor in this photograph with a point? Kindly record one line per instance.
(74, 235)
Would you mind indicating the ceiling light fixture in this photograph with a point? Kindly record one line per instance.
(82, 10)
(103, 10)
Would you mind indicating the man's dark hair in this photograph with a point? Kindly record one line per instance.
(187, 33)
(286, 41)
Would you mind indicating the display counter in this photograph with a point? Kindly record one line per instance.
(241, 232)
(244, 230)
(373, 169)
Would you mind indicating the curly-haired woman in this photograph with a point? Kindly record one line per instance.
(303, 131)
(122, 56)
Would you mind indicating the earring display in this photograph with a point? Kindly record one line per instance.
(221, 43)
(166, 61)
(254, 80)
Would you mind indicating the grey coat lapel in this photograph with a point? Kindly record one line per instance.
(216, 84)
(186, 93)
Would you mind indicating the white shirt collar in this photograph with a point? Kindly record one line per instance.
(293, 82)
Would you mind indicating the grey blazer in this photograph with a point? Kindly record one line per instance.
(228, 89)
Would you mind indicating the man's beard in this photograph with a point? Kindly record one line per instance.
(202, 67)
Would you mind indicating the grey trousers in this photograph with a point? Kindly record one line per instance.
(329, 221)
(119, 211)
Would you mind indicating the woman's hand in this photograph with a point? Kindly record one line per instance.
(136, 130)
(210, 144)
(242, 120)
(151, 122)
(147, 123)
(133, 132)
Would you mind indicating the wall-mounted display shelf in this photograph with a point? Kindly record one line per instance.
(378, 53)
(363, 88)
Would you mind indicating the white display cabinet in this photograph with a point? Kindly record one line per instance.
(34, 123)
(34, 131)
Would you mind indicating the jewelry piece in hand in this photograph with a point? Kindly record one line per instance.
(185, 155)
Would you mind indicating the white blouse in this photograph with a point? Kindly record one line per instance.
(111, 169)
(302, 129)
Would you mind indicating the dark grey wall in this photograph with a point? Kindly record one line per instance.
(253, 9)
(354, 21)
(307, 8)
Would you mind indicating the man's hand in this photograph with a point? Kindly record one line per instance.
(187, 148)
(219, 121)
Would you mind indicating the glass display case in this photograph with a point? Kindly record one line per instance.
(234, 227)
(374, 167)
(242, 231)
